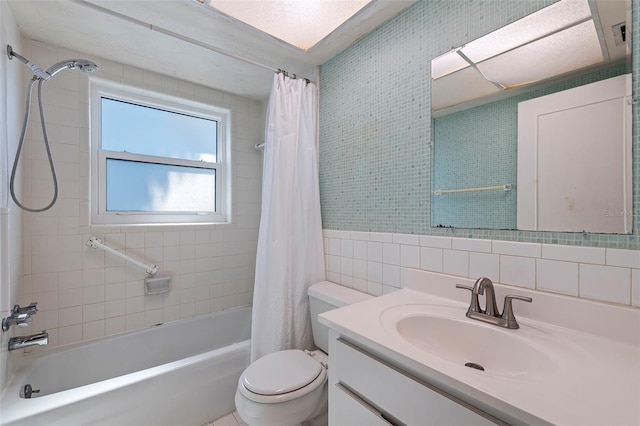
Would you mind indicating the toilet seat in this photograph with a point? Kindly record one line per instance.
(282, 376)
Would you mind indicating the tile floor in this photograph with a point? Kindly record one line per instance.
(232, 419)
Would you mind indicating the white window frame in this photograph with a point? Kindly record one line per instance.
(98, 89)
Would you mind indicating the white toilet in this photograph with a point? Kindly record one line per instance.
(289, 387)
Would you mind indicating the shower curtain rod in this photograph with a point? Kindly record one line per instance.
(182, 37)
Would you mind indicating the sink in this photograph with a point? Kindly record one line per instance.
(446, 333)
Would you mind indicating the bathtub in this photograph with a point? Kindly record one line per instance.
(179, 373)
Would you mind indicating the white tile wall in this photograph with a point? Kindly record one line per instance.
(455, 262)
(484, 265)
(11, 225)
(608, 283)
(592, 255)
(557, 276)
(431, 259)
(380, 261)
(84, 293)
(635, 287)
(518, 271)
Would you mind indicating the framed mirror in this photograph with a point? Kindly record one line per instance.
(476, 90)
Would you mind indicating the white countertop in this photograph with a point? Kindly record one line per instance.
(594, 380)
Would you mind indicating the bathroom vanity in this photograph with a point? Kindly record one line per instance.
(412, 357)
(386, 395)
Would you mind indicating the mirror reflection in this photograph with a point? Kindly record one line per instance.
(476, 90)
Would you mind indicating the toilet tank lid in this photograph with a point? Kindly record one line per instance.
(336, 295)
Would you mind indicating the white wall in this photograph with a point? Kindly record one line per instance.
(12, 90)
(83, 293)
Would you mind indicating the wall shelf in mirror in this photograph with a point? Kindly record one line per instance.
(505, 187)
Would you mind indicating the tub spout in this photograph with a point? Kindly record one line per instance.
(21, 342)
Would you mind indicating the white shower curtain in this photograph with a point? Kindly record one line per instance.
(290, 252)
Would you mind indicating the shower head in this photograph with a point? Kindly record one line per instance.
(86, 66)
(81, 64)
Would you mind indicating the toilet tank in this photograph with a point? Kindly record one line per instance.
(325, 296)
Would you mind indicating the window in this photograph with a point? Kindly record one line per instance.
(156, 158)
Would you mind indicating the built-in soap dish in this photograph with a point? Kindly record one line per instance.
(157, 285)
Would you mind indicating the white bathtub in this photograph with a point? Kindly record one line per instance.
(180, 373)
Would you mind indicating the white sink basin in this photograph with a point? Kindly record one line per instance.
(446, 333)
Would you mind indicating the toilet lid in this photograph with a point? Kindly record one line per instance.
(281, 372)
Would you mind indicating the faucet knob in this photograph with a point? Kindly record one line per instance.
(507, 312)
(19, 316)
(474, 306)
(29, 310)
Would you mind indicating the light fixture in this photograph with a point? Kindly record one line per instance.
(556, 40)
(301, 23)
(540, 24)
(572, 49)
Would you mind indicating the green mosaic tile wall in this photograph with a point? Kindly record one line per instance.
(375, 123)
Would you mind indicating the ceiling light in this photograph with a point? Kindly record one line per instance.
(460, 87)
(446, 64)
(528, 29)
(568, 50)
(556, 40)
(301, 23)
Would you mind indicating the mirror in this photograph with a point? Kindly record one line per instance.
(475, 93)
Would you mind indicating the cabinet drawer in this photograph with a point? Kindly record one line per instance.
(399, 395)
(349, 409)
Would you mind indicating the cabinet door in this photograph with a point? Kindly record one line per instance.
(397, 395)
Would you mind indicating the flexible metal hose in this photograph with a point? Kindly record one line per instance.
(46, 145)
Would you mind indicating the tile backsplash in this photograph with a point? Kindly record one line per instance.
(376, 263)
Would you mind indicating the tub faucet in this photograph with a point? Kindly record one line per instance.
(491, 314)
(21, 342)
(19, 316)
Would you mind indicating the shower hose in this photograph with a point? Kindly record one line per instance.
(46, 145)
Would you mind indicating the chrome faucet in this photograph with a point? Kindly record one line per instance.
(19, 316)
(491, 314)
(21, 342)
(481, 286)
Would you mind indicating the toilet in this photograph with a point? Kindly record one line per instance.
(289, 387)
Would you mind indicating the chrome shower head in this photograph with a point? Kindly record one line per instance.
(86, 66)
(81, 64)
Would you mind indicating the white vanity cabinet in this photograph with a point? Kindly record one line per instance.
(364, 390)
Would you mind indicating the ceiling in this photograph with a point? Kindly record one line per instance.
(301, 23)
(187, 39)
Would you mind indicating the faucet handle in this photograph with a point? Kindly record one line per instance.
(507, 312)
(29, 310)
(474, 306)
(19, 316)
